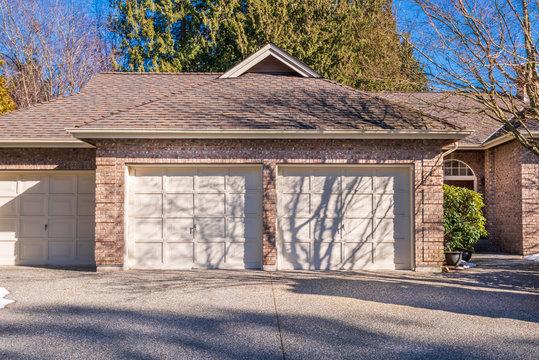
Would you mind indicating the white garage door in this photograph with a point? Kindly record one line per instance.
(344, 218)
(195, 216)
(47, 218)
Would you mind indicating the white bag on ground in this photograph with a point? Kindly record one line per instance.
(4, 302)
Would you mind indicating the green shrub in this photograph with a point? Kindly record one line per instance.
(464, 223)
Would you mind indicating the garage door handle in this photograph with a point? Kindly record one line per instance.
(46, 226)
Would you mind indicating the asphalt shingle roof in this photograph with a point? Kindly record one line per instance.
(203, 101)
(460, 110)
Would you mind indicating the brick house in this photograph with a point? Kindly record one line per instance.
(264, 166)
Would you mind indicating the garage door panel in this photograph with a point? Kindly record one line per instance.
(62, 204)
(62, 184)
(33, 251)
(358, 205)
(239, 229)
(33, 204)
(295, 255)
(391, 230)
(326, 229)
(179, 229)
(211, 180)
(210, 229)
(85, 252)
(247, 255)
(8, 206)
(147, 205)
(294, 182)
(356, 181)
(210, 204)
(357, 256)
(295, 229)
(145, 230)
(210, 254)
(357, 230)
(179, 205)
(295, 204)
(180, 180)
(238, 205)
(389, 206)
(33, 184)
(180, 253)
(149, 254)
(8, 229)
(326, 205)
(8, 185)
(61, 227)
(384, 255)
(61, 252)
(242, 180)
(86, 184)
(148, 180)
(325, 182)
(85, 227)
(326, 255)
(32, 226)
(86, 204)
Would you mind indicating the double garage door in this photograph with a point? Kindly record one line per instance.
(329, 217)
(47, 218)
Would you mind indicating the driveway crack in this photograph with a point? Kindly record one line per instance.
(277, 317)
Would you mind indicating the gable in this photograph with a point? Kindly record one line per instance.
(271, 59)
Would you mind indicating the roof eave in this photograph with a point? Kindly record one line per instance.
(263, 134)
(43, 143)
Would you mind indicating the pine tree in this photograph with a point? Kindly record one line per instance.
(6, 102)
(354, 42)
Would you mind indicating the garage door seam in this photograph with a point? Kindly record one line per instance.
(277, 317)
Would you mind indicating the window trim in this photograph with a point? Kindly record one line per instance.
(460, 177)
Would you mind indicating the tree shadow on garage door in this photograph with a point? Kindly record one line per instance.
(488, 294)
(215, 333)
(345, 218)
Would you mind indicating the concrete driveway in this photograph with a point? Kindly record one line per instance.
(486, 313)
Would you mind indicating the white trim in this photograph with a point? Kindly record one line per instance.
(279, 54)
(43, 143)
(264, 134)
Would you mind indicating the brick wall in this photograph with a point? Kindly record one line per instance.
(47, 159)
(503, 194)
(530, 203)
(113, 155)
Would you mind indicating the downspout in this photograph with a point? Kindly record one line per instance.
(454, 148)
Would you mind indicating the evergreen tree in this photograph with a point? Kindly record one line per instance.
(6, 102)
(354, 42)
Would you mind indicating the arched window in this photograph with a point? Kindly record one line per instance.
(458, 173)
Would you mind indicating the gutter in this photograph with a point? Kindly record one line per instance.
(263, 134)
(454, 148)
(43, 143)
